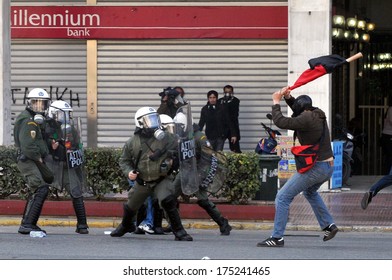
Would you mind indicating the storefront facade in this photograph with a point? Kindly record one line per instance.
(110, 60)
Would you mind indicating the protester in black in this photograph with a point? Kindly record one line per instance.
(232, 106)
(215, 118)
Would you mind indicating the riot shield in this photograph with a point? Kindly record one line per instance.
(57, 167)
(74, 158)
(211, 169)
(56, 159)
(186, 149)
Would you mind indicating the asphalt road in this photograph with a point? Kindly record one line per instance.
(62, 243)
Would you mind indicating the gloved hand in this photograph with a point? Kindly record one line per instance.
(175, 163)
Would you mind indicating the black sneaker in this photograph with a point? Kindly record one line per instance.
(367, 198)
(271, 242)
(330, 232)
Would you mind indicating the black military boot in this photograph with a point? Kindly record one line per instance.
(80, 211)
(170, 206)
(33, 210)
(127, 224)
(158, 217)
(214, 213)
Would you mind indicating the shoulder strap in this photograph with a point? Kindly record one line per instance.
(136, 145)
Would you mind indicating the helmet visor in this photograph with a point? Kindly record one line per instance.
(170, 127)
(63, 117)
(39, 105)
(151, 121)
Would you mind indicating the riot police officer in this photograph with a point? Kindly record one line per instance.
(150, 215)
(32, 150)
(148, 158)
(201, 145)
(66, 157)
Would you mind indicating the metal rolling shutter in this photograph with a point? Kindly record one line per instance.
(132, 73)
(60, 64)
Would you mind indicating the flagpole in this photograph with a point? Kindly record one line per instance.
(354, 57)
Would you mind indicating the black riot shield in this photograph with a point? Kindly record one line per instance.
(186, 149)
(211, 169)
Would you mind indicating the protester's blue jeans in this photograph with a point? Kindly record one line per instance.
(149, 220)
(308, 183)
(382, 183)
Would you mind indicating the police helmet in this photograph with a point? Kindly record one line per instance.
(38, 100)
(60, 111)
(147, 117)
(167, 123)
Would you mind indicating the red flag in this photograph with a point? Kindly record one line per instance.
(320, 66)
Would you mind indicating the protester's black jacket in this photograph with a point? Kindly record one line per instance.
(216, 120)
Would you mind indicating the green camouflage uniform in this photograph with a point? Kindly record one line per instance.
(153, 166)
(151, 180)
(32, 147)
(32, 150)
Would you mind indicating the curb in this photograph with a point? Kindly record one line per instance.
(190, 224)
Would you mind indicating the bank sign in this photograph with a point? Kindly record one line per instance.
(146, 22)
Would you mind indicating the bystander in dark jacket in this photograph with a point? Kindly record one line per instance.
(232, 106)
(216, 121)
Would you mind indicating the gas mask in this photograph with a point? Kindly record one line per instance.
(228, 96)
(66, 128)
(151, 125)
(39, 119)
